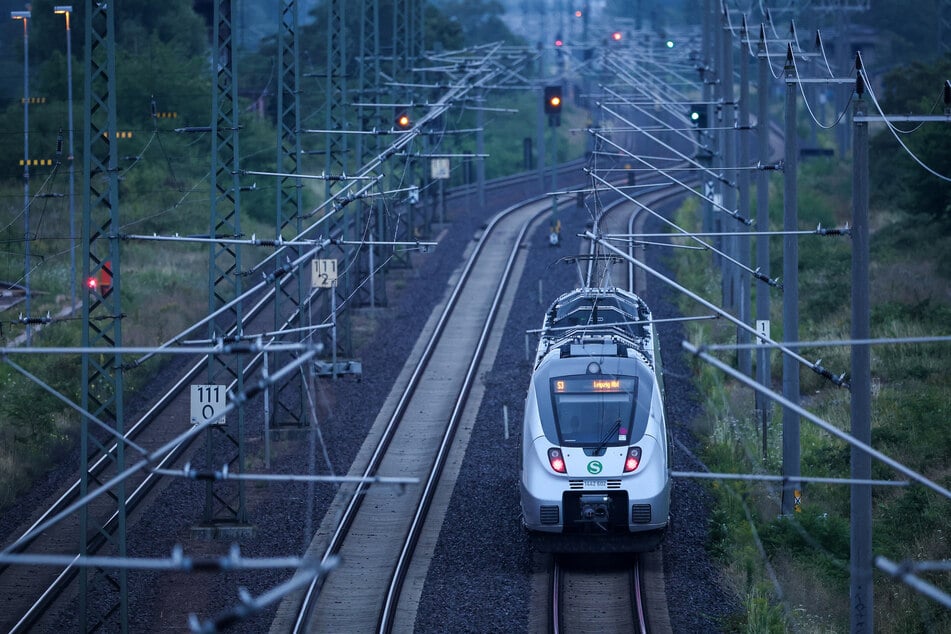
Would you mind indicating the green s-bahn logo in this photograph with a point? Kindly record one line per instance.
(595, 467)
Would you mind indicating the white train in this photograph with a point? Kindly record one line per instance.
(594, 456)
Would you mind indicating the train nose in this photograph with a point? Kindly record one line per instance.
(594, 508)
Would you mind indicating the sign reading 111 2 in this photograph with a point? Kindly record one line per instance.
(208, 401)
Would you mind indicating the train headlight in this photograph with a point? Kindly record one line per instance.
(556, 460)
(633, 459)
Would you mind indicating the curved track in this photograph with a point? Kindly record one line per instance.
(610, 596)
(30, 591)
(375, 530)
(34, 589)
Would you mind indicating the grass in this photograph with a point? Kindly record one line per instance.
(809, 552)
(165, 285)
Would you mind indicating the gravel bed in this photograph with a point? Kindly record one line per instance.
(479, 579)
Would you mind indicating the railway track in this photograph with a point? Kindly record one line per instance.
(370, 529)
(608, 598)
(608, 594)
(30, 592)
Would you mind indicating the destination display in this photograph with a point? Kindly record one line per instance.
(590, 385)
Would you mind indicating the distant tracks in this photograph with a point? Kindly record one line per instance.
(377, 526)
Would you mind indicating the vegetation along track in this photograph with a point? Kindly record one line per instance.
(30, 590)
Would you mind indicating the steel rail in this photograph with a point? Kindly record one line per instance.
(555, 598)
(140, 492)
(639, 602)
(402, 565)
(389, 430)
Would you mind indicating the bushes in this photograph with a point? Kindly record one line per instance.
(911, 400)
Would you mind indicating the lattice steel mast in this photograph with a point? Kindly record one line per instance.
(224, 502)
(102, 324)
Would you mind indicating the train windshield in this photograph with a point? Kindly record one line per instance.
(594, 410)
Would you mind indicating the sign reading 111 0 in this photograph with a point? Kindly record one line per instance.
(207, 402)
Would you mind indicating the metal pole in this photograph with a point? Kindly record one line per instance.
(716, 136)
(540, 133)
(480, 151)
(372, 266)
(25, 17)
(791, 448)
(333, 330)
(744, 357)
(267, 414)
(842, 48)
(860, 591)
(762, 217)
(71, 167)
(729, 274)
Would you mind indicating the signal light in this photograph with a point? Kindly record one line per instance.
(633, 459)
(556, 460)
(616, 36)
(553, 99)
(101, 282)
(553, 102)
(402, 120)
(698, 114)
(558, 41)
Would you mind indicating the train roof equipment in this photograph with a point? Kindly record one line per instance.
(605, 321)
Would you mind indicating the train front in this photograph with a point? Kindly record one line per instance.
(594, 452)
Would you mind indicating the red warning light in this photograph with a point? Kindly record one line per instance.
(556, 460)
(578, 13)
(558, 42)
(616, 36)
(101, 283)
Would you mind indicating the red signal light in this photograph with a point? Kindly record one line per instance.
(616, 36)
(101, 283)
(556, 460)
(633, 459)
(558, 42)
(578, 13)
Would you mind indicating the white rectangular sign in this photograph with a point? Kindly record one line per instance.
(207, 402)
(762, 330)
(439, 168)
(323, 273)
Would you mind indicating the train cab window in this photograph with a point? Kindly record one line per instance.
(593, 410)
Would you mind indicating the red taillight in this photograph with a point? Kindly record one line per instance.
(633, 459)
(556, 460)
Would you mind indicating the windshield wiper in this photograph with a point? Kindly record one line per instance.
(607, 437)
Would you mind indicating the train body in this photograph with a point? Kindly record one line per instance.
(595, 447)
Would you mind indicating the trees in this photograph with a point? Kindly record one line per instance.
(898, 180)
